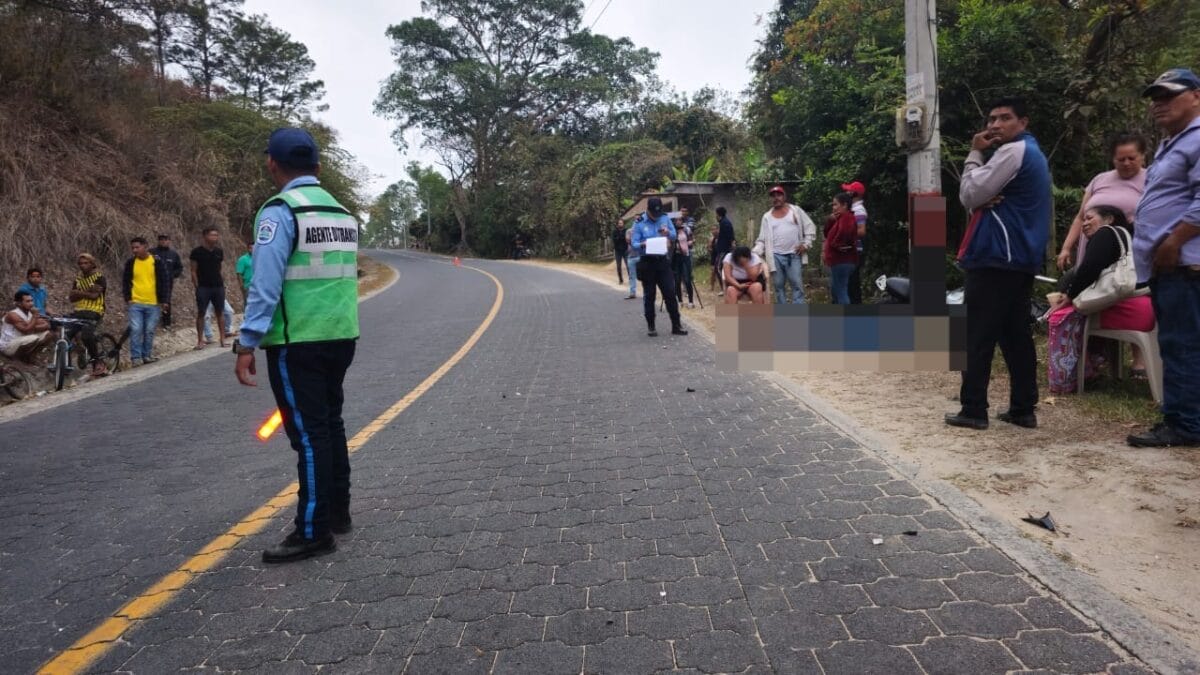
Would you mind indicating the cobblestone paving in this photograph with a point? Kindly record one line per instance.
(561, 503)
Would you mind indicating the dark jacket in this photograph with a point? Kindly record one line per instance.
(162, 280)
(620, 245)
(1011, 235)
(724, 236)
(171, 258)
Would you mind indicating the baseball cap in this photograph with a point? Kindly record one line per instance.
(856, 187)
(164, 235)
(654, 206)
(1174, 81)
(777, 188)
(293, 148)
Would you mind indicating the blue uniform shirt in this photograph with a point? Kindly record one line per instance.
(644, 228)
(39, 295)
(272, 248)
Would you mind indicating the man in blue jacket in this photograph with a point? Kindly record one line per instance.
(1008, 196)
(654, 268)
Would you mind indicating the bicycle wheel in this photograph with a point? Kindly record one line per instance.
(62, 354)
(14, 382)
(108, 351)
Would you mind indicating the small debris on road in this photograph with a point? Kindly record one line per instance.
(1045, 522)
(877, 541)
(690, 390)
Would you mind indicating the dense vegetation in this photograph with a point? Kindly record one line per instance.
(121, 118)
(827, 77)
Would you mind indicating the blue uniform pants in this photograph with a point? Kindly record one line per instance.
(307, 382)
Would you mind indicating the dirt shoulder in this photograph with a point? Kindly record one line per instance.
(1128, 518)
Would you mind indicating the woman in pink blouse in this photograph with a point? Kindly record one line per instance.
(1122, 187)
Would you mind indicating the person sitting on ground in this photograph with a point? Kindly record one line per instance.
(87, 298)
(1065, 340)
(744, 277)
(34, 286)
(24, 330)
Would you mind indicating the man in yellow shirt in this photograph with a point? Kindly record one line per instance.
(146, 284)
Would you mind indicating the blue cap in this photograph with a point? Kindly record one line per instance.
(293, 148)
(1174, 81)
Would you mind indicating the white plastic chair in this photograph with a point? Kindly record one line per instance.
(1146, 341)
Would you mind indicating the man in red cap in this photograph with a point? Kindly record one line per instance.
(785, 234)
(859, 191)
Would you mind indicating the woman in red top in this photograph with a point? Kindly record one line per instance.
(839, 252)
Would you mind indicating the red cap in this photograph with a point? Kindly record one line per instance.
(855, 187)
(777, 188)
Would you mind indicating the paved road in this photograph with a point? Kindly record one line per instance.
(557, 503)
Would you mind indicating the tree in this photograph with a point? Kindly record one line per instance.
(205, 30)
(697, 130)
(391, 214)
(162, 18)
(478, 74)
(269, 71)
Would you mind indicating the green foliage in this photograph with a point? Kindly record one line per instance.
(830, 74)
(267, 69)
(481, 76)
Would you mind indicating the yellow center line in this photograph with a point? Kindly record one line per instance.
(89, 648)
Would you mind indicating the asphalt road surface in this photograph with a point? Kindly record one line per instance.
(557, 502)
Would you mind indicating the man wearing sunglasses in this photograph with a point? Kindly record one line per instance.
(1167, 254)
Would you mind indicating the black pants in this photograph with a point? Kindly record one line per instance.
(683, 276)
(998, 313)
(622, 261)
(655, 271)
(856, 278)
(307, 382)
(165, 320)
(86, 335)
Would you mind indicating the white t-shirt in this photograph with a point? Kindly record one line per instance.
(9, 332)
(737, 271)
(785, 232)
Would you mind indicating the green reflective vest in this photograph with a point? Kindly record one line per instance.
(319, 301)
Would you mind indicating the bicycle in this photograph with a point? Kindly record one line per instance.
(108, 349)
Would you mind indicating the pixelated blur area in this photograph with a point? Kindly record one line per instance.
(789, 338)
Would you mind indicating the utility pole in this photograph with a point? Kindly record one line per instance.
(917, 130)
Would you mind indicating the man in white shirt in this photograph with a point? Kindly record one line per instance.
(784, 237)
(22, 330)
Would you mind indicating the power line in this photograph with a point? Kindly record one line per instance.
(597, 19)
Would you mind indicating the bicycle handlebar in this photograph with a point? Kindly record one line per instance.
(69, 321)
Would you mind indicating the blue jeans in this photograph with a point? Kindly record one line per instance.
(631, 267)
(788, 266)
(839, 283)
(227, 313)
(143, 319)
(1176, 300)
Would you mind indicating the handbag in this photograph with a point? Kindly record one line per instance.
(1117, 282)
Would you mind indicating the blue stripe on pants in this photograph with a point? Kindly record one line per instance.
(309, 468)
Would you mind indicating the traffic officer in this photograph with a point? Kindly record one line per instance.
(303, 311)
(654, 269)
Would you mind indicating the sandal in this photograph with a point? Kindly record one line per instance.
(1138, 374)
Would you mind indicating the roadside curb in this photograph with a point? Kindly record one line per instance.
(1125, 625)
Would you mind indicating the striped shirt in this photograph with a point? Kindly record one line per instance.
(93, 280)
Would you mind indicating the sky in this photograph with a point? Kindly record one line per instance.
(700, 43)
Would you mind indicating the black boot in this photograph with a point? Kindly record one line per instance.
(296, 547)
(677, 329)
(650, 329)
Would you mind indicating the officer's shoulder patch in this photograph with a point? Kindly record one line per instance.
(266, 231)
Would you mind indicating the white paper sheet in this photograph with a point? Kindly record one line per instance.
(656, 246)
